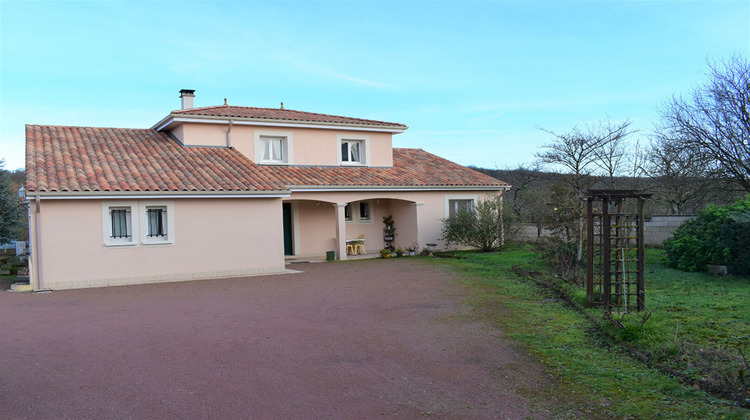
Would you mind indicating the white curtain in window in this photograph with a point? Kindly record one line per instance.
(272, 149)
(120, 222)
(354, 149)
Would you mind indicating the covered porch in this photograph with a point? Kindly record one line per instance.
(313, 227)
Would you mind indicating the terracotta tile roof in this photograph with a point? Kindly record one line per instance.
(82, 159)
(276, 114)
(78, 159)
(411, 167)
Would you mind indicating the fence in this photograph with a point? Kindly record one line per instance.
(656, 230)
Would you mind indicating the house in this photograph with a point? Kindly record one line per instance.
(226, 191)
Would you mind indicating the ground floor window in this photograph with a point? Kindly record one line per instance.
(121, 228)
(364, 210)
(361, 214)
(454, 206)
(133, 223)
(156, 226)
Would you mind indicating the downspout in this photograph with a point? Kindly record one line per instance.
(37, 248)
(229, 143)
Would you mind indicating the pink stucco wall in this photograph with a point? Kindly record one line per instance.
(213, 238)
(310, 146)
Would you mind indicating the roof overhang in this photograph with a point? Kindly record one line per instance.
(329, 188)
(173, 120)
(110, 195)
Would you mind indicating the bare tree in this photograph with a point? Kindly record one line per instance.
(714, 122)
(578, 152)
(612, 154)
(677, 172)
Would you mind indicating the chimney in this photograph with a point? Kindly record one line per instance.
(187, 95)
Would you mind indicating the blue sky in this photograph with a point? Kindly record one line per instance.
(474, 81)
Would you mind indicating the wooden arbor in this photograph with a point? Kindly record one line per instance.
(615, 250)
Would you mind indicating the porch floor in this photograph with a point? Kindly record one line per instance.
(292, 259)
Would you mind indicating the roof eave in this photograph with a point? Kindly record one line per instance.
(174, 119)
(79, 195)
(387, 188)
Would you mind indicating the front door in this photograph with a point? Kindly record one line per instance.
(287, 213)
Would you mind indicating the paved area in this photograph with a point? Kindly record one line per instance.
(351, 340)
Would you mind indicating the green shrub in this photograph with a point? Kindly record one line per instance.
(719, 235)
(735, 233)
(478, 227)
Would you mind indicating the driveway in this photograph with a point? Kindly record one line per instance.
(350, 340)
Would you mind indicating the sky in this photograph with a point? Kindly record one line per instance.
(474, 81)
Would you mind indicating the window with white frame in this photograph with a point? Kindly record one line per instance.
(121, 224)
(134, 223)
(454, 206)
(272, 149)
(155, 221)
(348, 212)
(353, 149)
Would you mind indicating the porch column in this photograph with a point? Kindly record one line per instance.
(340, 231)
(418, 221)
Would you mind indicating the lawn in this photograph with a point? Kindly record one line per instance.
(595, 362)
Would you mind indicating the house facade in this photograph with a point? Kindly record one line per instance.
(227, 191)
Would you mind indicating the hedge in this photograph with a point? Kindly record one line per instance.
(719, 235)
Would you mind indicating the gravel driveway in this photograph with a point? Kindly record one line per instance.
(350, 340)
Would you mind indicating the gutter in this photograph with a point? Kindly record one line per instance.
(229, 130)
(37, 248)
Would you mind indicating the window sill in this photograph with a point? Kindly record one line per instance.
(272, 162)
(353, 164)
(151, 243)
(119, 244)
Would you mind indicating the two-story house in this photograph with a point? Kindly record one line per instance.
(226, 191)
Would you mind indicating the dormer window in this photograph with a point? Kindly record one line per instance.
(353, 150)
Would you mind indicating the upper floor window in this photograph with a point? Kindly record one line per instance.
(273, 149)
(353, 149)
(348, 212)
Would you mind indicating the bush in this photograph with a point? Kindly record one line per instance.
(478, 227)
(719, 235)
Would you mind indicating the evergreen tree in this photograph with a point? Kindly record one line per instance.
(11, 211)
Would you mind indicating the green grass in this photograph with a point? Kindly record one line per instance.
(596, 375)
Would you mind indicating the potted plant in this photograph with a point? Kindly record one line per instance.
(399, 252)
(389, 232)
(413, 249)
(385, 253)
(431, 247)
(425, 252)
